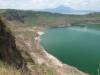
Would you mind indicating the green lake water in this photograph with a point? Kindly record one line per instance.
(76, 46)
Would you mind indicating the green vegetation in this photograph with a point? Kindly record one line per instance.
(35, 18)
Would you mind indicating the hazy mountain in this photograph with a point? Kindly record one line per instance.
(60, 9)
(66, 10)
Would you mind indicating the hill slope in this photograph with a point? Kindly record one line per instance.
(25, 27)
(34, 18)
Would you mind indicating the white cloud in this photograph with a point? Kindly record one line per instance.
(29, 4)
(44, 4)
(83, 4)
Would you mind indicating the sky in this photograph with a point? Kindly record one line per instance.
(93, 5)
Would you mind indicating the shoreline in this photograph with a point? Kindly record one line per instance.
(40, 56)
(51, 61)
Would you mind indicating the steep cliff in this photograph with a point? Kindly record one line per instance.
(9, 53)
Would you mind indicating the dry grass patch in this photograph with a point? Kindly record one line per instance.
(6, 69)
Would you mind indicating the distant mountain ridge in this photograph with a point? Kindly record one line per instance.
(66, 10)
(61, 9)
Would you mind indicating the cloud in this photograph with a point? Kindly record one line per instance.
(29, 4)
(83, 4)
(47, 4)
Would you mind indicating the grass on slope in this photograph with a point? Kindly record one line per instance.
(6, 69)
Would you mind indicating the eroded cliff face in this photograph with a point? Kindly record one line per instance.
(9, 53)
(8, 50)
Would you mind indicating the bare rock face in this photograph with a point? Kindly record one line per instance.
(8, 50)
